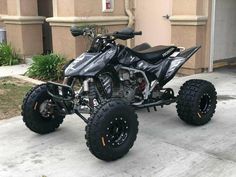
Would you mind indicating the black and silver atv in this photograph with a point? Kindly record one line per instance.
(114, 80)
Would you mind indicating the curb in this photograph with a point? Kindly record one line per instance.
(25, 78)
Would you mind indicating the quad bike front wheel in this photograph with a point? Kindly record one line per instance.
(196, 102)
(111, 130)
(39, 112)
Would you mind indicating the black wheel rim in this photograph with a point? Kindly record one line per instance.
(44, 108)
(205, 103)
(117, 131)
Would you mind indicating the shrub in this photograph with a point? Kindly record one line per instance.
(47, 67)
(8, 56)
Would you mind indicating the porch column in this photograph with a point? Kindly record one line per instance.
(62, 41)
(24, 27)
(3, 11)
(191, 27)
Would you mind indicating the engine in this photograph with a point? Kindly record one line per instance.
(132, 85)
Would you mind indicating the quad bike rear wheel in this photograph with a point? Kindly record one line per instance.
(111, 130)
(196, 102)
(39, 112)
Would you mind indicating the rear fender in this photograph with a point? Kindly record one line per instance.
(177, 62)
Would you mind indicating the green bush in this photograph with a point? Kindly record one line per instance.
(47, 67)
(8, 56)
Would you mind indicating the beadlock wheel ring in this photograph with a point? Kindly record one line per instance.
(117, 131)
(205, 103)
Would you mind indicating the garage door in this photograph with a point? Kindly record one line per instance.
(225, 30)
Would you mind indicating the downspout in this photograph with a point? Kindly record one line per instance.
(212, 47)
(129, 13)
(131, 19)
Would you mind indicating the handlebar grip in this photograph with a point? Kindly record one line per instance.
(138, 33)
(76, 31)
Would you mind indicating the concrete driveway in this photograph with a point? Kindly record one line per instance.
(165, 146)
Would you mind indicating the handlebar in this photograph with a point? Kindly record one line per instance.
(126, 33)
(76, 31)
(138, 33)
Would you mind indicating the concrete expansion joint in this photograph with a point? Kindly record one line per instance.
(209, 154)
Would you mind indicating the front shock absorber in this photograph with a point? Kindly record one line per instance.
(90, 89)
(92, 94)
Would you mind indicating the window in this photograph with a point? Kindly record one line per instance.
(107, 5)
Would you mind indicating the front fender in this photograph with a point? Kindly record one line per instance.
(89, 64)
(98, 64)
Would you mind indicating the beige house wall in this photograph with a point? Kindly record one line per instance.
(24, 26)
(3, 7)
(82, 13)
(25, 38)
(64, 8)
(191, 27)
(149, 19)
(67, 8)
(15, 35)
(183, 7)
(32, 39)
(32, 9)
(3, 11)
(13, 7)
(66, 44)
(71, 46)
(94, 7)
(21, 7)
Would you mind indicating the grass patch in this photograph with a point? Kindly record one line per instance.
(8, 56)
(12, 92)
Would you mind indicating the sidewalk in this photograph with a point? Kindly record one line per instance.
(13, 70)
(165, 147)
(17, 71)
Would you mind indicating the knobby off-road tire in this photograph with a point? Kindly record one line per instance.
(111, 130)
(32, 117)
(196, 102)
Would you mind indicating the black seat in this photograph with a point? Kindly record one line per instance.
(154, 54)
(143, 46)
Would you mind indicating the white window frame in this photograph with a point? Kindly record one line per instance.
(104, 9)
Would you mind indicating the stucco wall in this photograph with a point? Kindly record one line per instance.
(87, 8)
(32, 11)
(149, 19)
(225, 33)
(3, 11)
(67, 13)
(3, 6)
